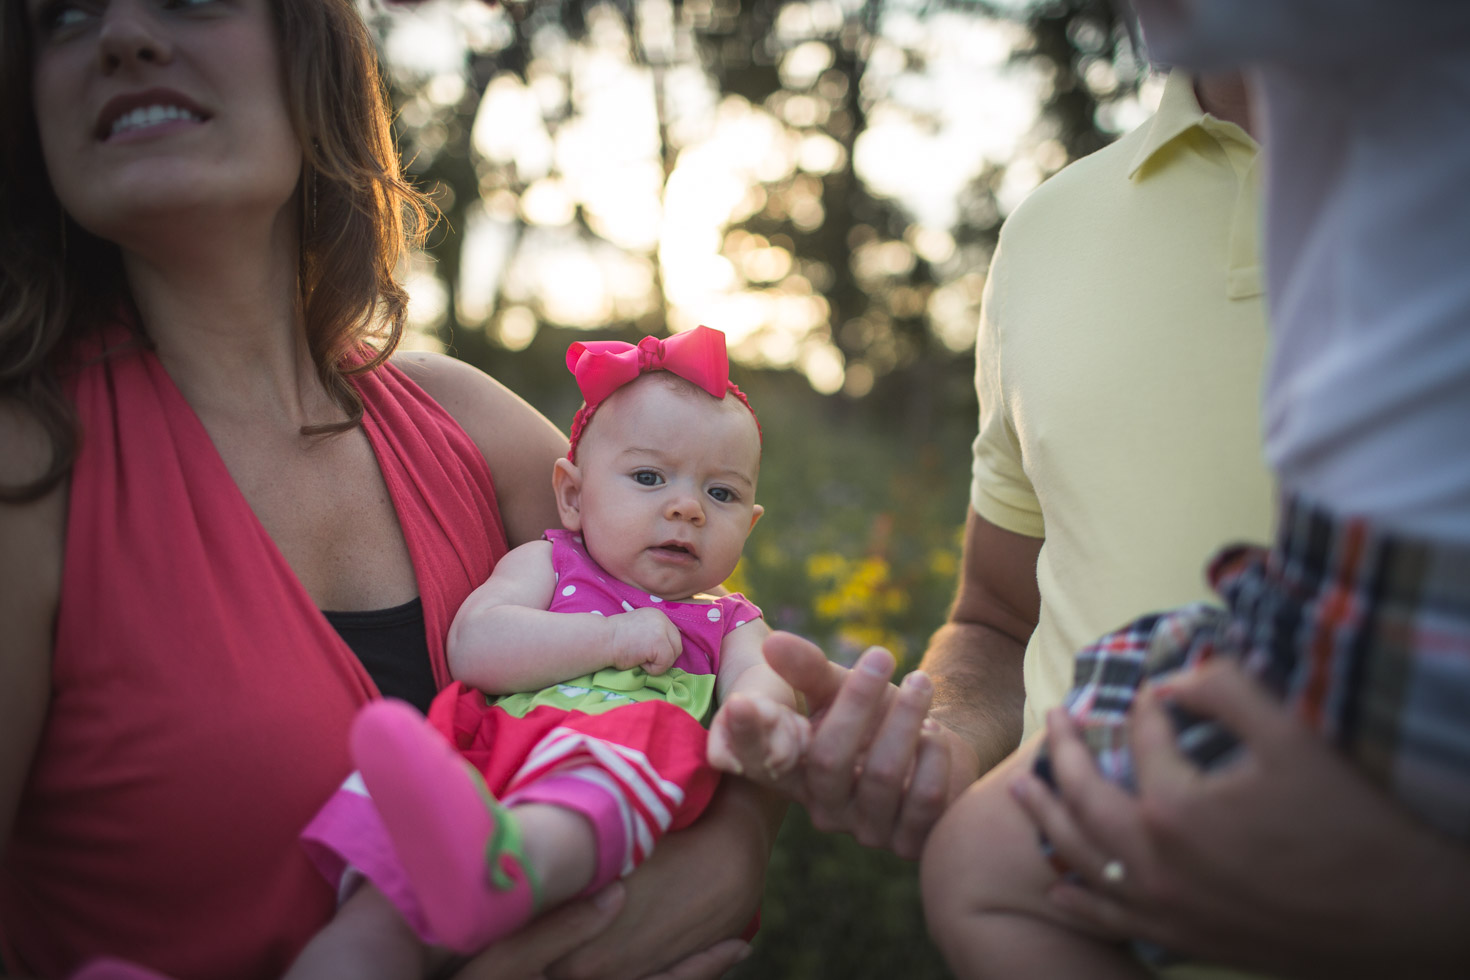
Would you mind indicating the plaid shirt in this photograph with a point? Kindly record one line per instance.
(1365, 635)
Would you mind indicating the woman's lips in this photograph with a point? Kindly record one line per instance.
(142, 110)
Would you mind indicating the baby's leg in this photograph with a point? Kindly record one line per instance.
(478, 869)
(984, 884)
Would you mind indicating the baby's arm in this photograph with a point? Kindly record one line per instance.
(504, 639)
(748, 687)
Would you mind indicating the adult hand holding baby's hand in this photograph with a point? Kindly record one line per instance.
(645, 638)
(754, 736)
(877, 768)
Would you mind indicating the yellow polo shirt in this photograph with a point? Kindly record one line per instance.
(1119, 365)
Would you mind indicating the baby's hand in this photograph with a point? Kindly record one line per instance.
(770, 740)
(645, 638)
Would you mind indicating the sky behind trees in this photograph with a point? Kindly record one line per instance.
(821, 179)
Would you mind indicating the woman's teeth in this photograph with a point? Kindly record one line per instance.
(150, 116)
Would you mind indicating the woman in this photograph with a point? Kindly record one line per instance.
(202, 212)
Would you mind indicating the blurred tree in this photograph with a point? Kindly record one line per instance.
(818, 264)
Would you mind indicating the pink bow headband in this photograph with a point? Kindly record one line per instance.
(601, 367)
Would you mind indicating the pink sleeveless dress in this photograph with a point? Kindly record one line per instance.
(200, 702)
(623, 748)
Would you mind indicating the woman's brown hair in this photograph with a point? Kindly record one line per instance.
(358, 215)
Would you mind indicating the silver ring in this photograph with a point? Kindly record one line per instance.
(1113, 872)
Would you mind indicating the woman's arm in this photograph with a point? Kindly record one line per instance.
(700, 887)
(31, 538)
(504, 639)
(518, 442)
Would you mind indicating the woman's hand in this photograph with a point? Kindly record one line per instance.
(530, 951)
(699, 889)
(1285, 860)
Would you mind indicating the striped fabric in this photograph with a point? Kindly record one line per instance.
(1364, 634)
(646, 801)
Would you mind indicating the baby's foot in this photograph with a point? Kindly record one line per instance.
(460, 848)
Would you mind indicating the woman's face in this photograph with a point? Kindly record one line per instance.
(149, 109)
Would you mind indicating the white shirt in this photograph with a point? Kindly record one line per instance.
(1366, 105)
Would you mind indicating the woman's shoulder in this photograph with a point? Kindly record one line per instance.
(518, 442)
(447, 379)
(478, 402)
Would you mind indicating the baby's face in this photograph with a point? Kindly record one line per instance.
(664, 488)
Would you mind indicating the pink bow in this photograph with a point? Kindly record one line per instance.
(601, 367)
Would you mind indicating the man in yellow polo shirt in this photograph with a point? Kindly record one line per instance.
(1118, 368)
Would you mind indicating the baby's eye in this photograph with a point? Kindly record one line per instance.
(723, 494)
(647, 478)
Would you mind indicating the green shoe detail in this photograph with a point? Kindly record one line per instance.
(505, 841)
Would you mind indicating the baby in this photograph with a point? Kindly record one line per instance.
(585, 665)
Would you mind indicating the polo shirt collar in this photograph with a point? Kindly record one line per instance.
(1179, 111)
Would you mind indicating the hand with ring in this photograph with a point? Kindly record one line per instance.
(1256, 864)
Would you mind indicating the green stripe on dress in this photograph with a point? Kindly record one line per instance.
(610, 688)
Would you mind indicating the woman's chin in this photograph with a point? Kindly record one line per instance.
(152, 213)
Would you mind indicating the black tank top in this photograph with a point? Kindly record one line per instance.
(393, 649)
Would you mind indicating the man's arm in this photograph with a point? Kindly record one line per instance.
(974, 660)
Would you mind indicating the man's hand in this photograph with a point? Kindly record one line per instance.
(879, 767)
(875, 767)
(1284, 860)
